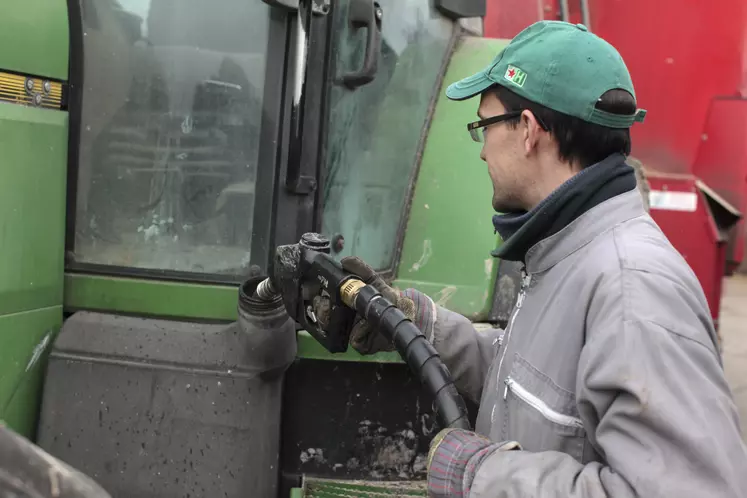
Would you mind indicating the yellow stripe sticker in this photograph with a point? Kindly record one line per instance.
(30, 91)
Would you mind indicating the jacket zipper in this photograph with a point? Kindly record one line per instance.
(526, 279)
(540, 405)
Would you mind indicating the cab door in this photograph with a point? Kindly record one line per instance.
(384, 73)
(376, 126)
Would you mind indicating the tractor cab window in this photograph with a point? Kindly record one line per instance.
(172, 108)
(375, 130)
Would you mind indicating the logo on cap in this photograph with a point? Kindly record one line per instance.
(515, 75)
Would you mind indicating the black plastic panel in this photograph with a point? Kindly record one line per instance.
(347, 420)
(155, 408)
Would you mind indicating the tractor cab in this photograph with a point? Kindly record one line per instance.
(154, 154)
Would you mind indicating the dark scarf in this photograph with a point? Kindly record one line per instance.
(592, 186)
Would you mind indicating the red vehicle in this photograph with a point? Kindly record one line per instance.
(689, 74)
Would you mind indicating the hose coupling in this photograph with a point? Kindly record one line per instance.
(349, 291)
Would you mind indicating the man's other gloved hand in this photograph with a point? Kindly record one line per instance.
(364, 338)
(453, 460)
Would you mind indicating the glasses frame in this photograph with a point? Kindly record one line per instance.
(475, 126)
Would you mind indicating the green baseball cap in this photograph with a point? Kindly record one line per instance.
(561, 66)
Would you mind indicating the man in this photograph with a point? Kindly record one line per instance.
(607, 380)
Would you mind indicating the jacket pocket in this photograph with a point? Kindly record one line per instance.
(540, 415)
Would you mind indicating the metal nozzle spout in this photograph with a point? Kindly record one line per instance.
(265, 290)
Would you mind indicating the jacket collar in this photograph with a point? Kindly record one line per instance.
(601, 218)
(520, 230)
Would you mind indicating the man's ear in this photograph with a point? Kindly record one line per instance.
(531, 130)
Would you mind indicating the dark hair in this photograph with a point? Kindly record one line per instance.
(578, 140)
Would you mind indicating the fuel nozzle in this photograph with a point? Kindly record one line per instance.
(309, 281)
(286, 264)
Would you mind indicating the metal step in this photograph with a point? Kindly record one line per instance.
(329, 488)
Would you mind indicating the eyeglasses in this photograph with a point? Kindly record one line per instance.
(476, 127)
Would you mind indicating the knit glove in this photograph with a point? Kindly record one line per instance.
(453, 460)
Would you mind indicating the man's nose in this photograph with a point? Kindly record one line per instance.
(482, 154)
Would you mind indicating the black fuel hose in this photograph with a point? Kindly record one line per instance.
(418, 353)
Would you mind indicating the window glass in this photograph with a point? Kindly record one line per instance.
(375, 130)
(172, 109)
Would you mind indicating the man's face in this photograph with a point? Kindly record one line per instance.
(503, 151)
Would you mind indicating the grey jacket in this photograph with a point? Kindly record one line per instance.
(607, 375)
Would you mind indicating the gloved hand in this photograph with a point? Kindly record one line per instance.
(363, 338)
(453, 460)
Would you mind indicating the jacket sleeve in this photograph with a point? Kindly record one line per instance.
(466, 351)
(654, 394)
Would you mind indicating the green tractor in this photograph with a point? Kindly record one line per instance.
(153, 154)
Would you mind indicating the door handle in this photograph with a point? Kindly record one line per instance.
(365, 14)
(320, 7)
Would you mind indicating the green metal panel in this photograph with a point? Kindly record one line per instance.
(24, 340)
(181, 300)
(151, 297)
(309, 348)
(33, 154)
(34, 37)
(449, 235)
(33, 146)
